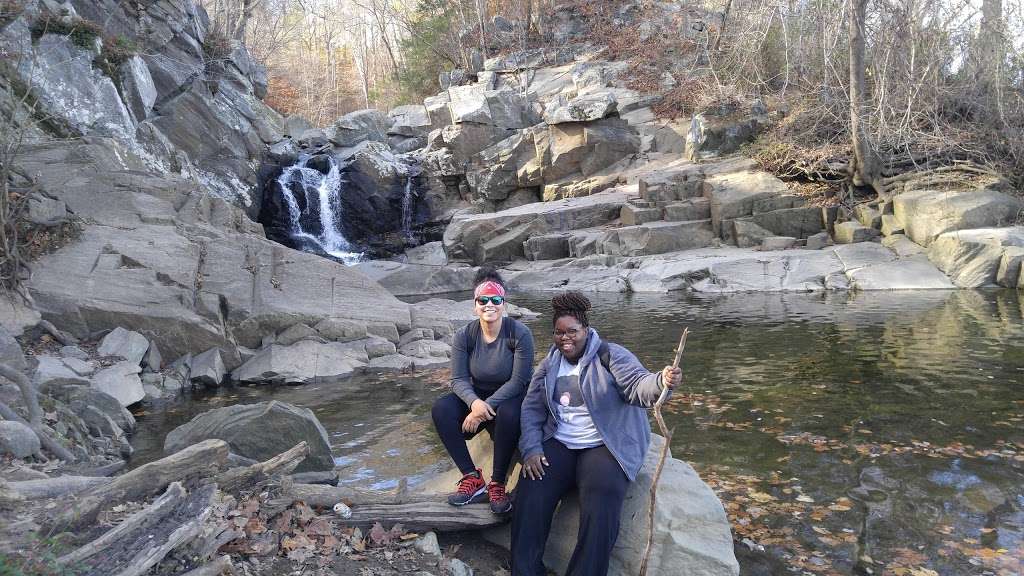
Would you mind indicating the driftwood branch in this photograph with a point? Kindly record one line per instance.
(661, 460)
(237, 479)
(143, 539)
(54, 487)
(197, 461)
(426, 515)
(414, 511)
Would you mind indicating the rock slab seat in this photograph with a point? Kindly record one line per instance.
(691, 531)
(258, 431)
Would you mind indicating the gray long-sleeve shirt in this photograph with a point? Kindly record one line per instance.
(497, 370)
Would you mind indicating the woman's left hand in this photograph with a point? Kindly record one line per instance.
(671, 377)
(471, 423)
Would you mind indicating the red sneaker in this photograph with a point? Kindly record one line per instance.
(500, 502)
(471, 490)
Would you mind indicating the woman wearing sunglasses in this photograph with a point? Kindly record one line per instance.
(492, 361)
(584, 426)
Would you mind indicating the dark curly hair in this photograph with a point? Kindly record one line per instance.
(485, 273)
(573, 304)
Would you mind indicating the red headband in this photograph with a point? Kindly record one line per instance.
(489, 288)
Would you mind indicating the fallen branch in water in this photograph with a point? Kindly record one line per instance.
(664, 455)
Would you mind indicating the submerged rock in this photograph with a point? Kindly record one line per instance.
(258, 431)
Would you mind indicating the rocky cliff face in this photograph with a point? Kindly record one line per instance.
(151, 77)
(153, 151)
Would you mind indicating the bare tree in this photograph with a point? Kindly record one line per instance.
(863, 168)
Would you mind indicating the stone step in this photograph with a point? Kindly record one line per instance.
(692, 209)
(656, 238)
(547, 247)
(641, 203)
(632, 215)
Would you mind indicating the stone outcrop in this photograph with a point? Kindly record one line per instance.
(979, 257)
(499, 236)
(259, 432)
(926, 214)
(691, 532)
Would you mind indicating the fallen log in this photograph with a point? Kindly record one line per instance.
(197, 461)
(143, 539)
(433, 514)
(222, 565)
(414, 511)
(237, 479)
(54, 487)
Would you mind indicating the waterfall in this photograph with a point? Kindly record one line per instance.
(407, 209)
(318, 225)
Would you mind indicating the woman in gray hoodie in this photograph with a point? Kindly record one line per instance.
(584, 426)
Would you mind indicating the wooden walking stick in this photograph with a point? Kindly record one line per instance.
(664, 454)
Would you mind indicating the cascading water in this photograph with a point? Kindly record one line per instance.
(407, 209)
(321, 198)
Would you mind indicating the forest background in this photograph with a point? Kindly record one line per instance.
(923, 84)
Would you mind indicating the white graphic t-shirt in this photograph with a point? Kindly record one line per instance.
(575, 427)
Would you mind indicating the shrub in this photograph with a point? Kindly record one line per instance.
(115, 51)
(217, 46)
(9, 11)
(83, 33)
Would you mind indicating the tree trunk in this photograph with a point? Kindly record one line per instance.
(991, 53)
(864, 169)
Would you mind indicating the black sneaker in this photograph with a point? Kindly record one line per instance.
(472, 490)
(500, 502)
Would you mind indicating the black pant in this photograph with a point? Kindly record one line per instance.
(602, 488)
(449, 411)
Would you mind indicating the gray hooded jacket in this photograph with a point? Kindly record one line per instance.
(616, 400)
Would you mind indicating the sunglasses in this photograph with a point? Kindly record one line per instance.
(496, 300)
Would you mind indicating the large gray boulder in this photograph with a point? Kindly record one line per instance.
(129, 345)
(407, 279)
(120, 381)
(691, 531)
(10, 351)
(719, 135)
(657, 238)
(926, 214)
(137, 88)
(500, 169)
(67, 86)
(410, 120)
(17, 440)
(740, 190)
(585, 108)
(207, 369)
(913, 273)
(361, 126)
(258, 431)
(972, 258)
(303, 362)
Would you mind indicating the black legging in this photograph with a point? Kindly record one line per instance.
(449, 411)
(602, 489)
